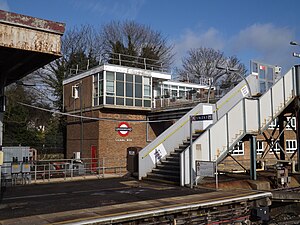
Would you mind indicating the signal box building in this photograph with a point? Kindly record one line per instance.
(111, 104)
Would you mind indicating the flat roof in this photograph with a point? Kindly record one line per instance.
(120, 69)
(26, 44)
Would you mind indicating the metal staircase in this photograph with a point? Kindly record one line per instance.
(168, 169)
(234, 117)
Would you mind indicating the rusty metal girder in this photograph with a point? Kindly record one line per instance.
(26, 44)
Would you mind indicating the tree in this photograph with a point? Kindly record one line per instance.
(130, 40)
(80, 51)
(203, 62)
(23, 125)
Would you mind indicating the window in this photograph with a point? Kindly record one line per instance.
(270, 74)
(262, 72)
(174, 91)
(276, 148)
(98, 89)
(147, 87)
(292, 123)
(255, 68)
(122, 89)
(238, 149)
(110, 83)
(273, 124)
(181, 92)
(290, 146)
(259, 147)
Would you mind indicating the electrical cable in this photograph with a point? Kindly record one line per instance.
(91, 118)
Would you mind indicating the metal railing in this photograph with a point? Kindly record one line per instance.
(125, 60)
(64, 169)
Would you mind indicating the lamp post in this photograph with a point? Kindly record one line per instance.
(210, 84)
(229, 70)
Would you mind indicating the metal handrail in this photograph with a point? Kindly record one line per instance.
(46, 170)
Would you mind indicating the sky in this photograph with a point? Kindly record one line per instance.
(258, 30)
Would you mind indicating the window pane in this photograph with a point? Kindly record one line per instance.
(120, 88)
(110, 87)
(129, 90)
(110, 75)
(101, 75)
(138, 90)
(147, 91)
(270, 74)
(255, 68)
(262, 72)
(120, 101)
(120, 76)
(147, 103)
(146, 81)
(110, 100)
(129, 78)
(101, 87)
(129, 101)
(138, 79)
(138, 102)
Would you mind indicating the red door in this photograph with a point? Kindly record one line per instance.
(94, 157)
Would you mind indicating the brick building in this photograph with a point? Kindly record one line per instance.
(111, 105)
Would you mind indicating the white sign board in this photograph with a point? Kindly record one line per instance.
(158, 153)
(245, 91)
(205, 168)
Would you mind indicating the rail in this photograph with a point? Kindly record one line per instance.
(64, 169)
(124, 60)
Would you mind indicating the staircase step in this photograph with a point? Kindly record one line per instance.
(173, 158)
(172, 178)
(165, 162)
(166, 172)
(183, 146)
(168, 167)
(175, 154)
(178, 150)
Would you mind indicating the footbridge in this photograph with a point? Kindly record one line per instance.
(235, 117)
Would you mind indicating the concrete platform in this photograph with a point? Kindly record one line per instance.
(107, 200)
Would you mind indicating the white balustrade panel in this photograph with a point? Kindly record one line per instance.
(251, 108)
(278, 96)
(218, 138)
(201, 148)
(288, 81)
(235, 122)
(265, 109)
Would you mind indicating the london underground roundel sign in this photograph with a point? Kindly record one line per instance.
(123, 129)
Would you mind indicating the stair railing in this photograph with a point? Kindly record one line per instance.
(248, 116)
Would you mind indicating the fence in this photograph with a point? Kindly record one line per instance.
(65, 169)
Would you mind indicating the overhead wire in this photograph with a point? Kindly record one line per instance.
(92, 118)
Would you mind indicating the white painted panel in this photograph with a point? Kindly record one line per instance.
(265, 109)
(288, 81)
(251, 115)
(278, 96)
(201, 148)
(235, 122)
(218, 138)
